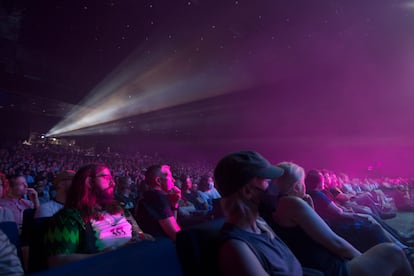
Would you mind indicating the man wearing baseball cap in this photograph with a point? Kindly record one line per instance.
(248, 245)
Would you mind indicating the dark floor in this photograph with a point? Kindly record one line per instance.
(403, 222)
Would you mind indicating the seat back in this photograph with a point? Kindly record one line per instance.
(28, 217)
(217, 211)
(11, 229)
(197, 248)
(37, 252)
(149, 258)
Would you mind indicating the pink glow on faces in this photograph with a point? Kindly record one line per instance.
(189, 183)
(167, 183)
(1, 188)
(105, 181)
(19, 187)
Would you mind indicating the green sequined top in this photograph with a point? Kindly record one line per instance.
(68, 234)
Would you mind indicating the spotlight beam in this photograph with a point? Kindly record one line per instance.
(129, 95)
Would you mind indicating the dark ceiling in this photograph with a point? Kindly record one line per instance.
(318, 76)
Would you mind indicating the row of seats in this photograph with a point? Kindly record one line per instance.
(11, 230)
(143, 258)
(193, 254)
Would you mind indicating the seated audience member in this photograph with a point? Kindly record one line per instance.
(188, 215)
(372, 187)
(10, 264)
(91, 221)
(192, 209)
(42, 189)
(316, 245)
(185, 209)
(360, 203)
(368, 231)
(207, 191)
(29, 178)
(61, 183)
(249, 246)
(14, 200)
(401, 191)
(141, 187)
(157, 209)
(5, 214)
(190, 195)
(195, 187)
(124, 197)
(124, 194)
(211, 191)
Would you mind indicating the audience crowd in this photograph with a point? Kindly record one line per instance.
(89, 204)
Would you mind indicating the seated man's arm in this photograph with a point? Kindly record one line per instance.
(170, 227)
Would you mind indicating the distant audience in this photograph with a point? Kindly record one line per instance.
(316, 245)
(362, 230)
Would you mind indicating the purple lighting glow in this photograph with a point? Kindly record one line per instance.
(324, 84)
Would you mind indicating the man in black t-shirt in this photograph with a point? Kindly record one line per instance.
(157, 209)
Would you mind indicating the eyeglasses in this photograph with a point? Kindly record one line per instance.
(106, 176)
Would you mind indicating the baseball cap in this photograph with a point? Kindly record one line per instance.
(236, 169)
(64, 175)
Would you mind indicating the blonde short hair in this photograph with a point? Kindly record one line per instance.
(292, 175)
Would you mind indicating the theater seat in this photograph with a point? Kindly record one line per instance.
(146, 258)
(12, 231)
(197, 248)
(37, 252)
(28, 217)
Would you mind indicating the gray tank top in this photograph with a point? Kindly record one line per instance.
(275, 257)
